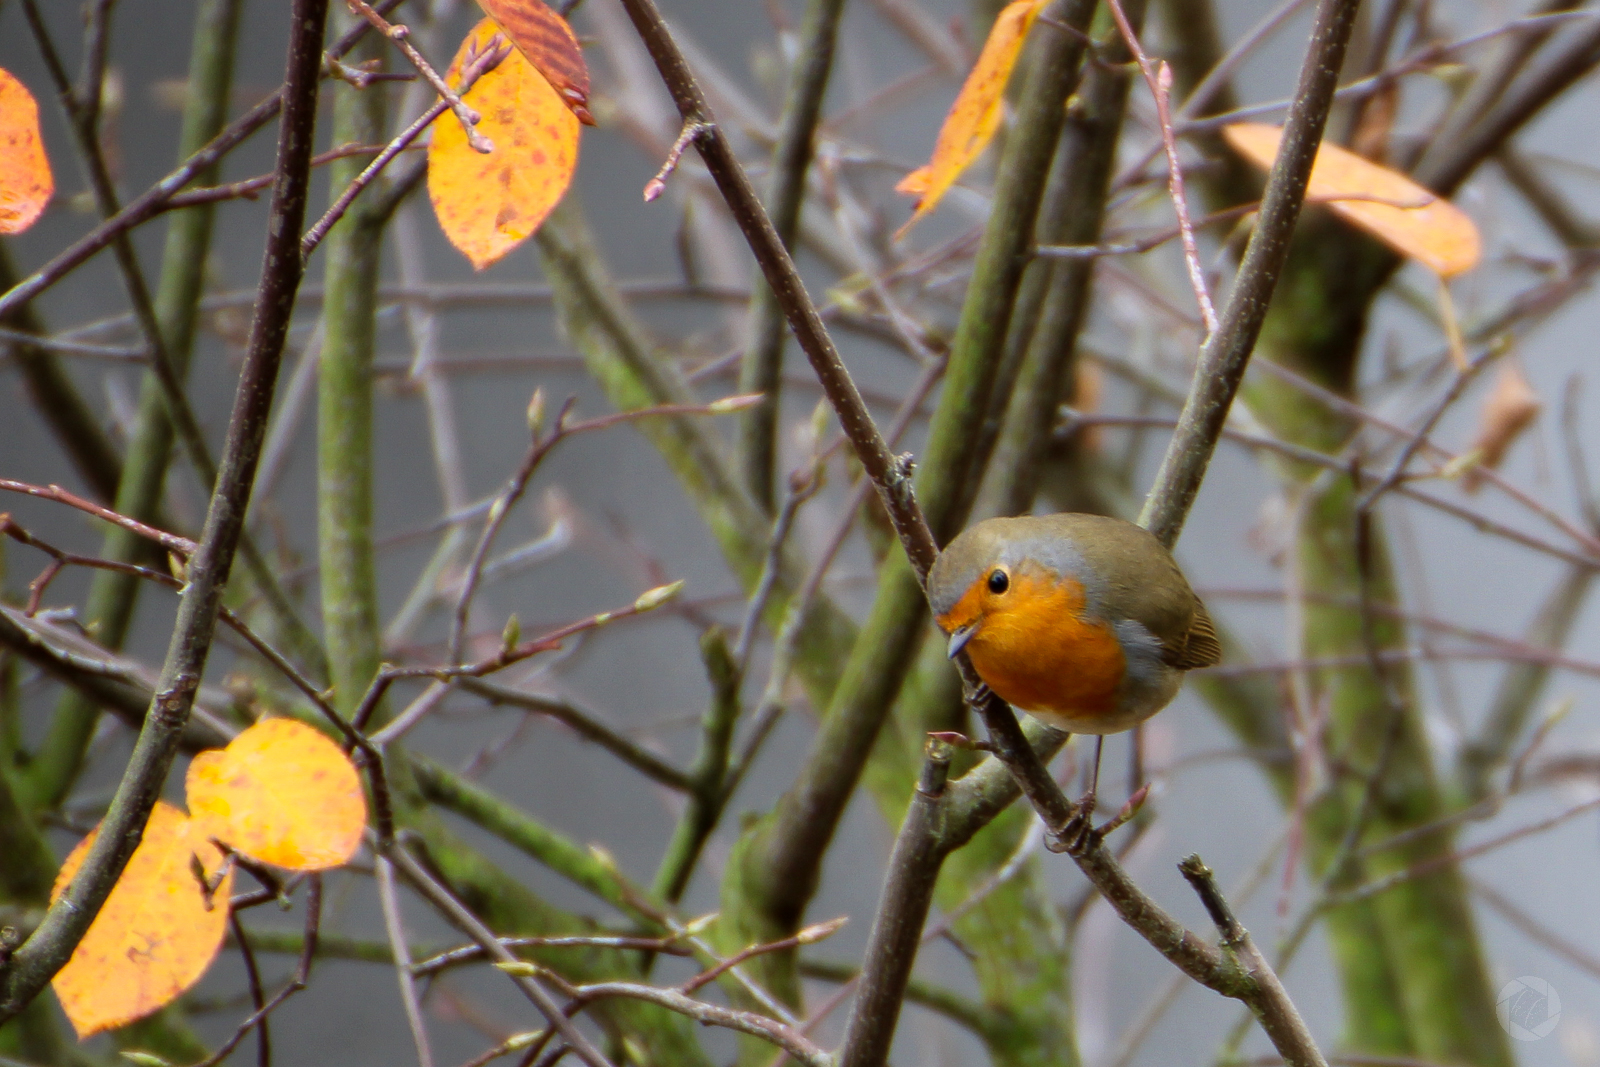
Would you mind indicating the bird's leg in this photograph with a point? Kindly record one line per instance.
(1079, 834)
(1086, 802)
(1136, 780)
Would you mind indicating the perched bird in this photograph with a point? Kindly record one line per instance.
(1082, 621)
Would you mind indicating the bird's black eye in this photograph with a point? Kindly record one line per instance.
(999, 582)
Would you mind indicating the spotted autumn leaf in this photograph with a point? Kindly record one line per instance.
(154, 937)
(490, 203)
(973, 118)
(1393, 208)
(25, 179)
(545, 40)
(281, 793)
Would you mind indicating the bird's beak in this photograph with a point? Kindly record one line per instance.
(959, 638)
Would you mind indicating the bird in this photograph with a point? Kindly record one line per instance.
(1082, 621)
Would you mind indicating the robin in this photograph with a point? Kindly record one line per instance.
(1082, 621)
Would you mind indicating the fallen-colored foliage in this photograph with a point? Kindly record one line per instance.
(974, 117)
(156, 934)
(1396, 210)
(545, 40)
(25, 179)
(490, 203)
(281, 793)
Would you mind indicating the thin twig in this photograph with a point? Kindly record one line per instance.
(686, 137)
(477, 65)
(257, 996)
(508, 654)
(171, 542)
(389, 900)
(543, 443)
(37, 960)
(251, 188)
(468, 117)
(1274, 1009)
(1226, 352)
(1457, 856)
(456, 957)
(583, 723)
(150, 203)
(1160, 83)
(780, 1034)
(803, 485)
(457, 914)
(296, 982)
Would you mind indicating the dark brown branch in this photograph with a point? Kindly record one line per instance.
(897, 927)
(68, 919)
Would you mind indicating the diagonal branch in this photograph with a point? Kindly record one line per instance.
(1227, 351)
(887, 473)
(37, 960)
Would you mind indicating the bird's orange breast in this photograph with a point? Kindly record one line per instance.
(1035, 648)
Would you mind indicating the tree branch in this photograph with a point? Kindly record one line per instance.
(1227, 351)
(68, 919)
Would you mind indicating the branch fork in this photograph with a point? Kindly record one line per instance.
(400, 36)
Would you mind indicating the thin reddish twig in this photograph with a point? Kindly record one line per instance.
(1160, 82)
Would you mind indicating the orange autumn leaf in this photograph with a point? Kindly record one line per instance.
(25, 181)
(488, 204)
(281, 793)
(545, 40)
(1394, 209)
(975, 115)
(154, 937)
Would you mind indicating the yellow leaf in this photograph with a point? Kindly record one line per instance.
(916, 182)
(489, 204)
(975, 115)
(1508, 410)
(281, 793)
(1393, 208)
(1088, 386)
(154, 937)
(545, 40)
(25, 181)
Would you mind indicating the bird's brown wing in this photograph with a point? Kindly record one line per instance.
(1198, 647)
